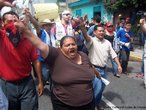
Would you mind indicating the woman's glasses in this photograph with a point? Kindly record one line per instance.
(68, 14)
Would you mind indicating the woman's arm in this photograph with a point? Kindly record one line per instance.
(33, 21)
(96, 72)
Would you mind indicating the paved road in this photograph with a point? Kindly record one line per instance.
(45, 101)
(125, 93)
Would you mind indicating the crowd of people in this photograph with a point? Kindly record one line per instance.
(70, 55)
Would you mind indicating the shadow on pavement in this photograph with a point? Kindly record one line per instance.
(110, 95)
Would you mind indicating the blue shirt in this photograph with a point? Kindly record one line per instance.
(45, 39)
(122, 37)
(90, 31)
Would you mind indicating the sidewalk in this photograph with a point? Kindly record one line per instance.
(136, 55)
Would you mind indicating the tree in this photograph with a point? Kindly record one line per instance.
(114, 5)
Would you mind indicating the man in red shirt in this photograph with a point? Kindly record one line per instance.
(16, 56)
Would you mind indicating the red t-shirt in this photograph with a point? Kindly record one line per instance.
(15, 63)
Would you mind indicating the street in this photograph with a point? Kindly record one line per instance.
(125, 93)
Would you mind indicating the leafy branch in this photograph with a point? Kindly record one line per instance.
(125, 4)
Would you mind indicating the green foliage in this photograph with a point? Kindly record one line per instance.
(122, 4)
(134, 29)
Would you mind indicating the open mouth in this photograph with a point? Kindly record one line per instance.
(72, 51)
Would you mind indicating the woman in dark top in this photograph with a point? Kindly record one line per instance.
(71, 71)
(110, 35)
(72, 75)
(109, 32)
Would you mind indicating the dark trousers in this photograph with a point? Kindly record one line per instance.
(21, 95)
(58, 105)
(124, 58)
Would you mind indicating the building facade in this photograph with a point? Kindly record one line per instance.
(91, 8)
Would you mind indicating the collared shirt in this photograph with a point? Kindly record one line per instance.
(99, 51)
(121, 35)
(16, 61)
(59, 30)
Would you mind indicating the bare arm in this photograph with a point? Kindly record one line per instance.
(33, 20)
(118, 63)
(44, 49)
(118, 20)
(5, 3)
(37, 67)
(143, 28)
(96, 72)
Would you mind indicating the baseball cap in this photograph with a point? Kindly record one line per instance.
(5, 9)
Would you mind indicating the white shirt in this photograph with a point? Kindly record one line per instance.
(99, 51)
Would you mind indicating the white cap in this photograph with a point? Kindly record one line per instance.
(66, 12)
(5, 9)
(46, 21)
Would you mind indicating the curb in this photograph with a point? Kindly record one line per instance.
(135, 58)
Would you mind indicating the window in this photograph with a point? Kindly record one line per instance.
(78, 12)
(97, 11)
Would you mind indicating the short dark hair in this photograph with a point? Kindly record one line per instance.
(128, 22)
(96, 26)
(97, 19)
(65, 37)
(10, 12)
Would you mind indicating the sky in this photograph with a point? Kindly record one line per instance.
(44, 1)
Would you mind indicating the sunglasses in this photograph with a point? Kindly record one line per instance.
(110, 26)
(67, 14)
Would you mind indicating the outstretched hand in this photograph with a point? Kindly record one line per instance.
(82, 24)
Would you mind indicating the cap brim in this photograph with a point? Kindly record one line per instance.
(42, 23)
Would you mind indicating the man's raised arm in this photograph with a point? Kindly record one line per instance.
(44, 49)
(5, 3)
